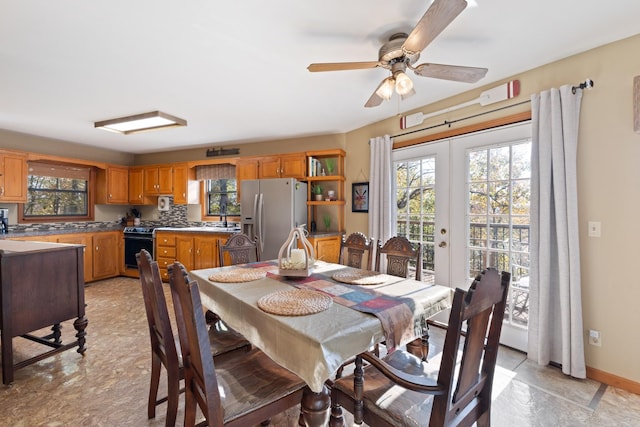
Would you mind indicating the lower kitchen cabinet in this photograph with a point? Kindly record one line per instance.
(194, 250)
(106, 262)
(102, 253)
(81, 239)
(327, 247)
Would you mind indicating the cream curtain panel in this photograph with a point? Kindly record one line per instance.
(381, 197)
(555, 323)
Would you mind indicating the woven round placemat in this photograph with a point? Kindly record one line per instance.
(360, 277)
(295, 302)
(237, 275)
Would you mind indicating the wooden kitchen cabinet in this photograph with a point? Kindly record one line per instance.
(327, 247)
(186, 190)
(81, 239)
(103, 255)
(165, 252)
(158, 180)
(106, 262)
(13, 177)
(136, 190)
(246, 169)
(283, 166)
(194, 250)
(112, 185)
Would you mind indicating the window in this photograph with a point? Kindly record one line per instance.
(57, 191)
(222, 197)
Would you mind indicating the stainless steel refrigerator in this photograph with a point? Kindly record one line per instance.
(270, 209)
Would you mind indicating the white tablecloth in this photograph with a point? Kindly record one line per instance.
(312, 346)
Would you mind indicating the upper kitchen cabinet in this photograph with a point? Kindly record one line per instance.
(283, 166)
(158, 180)
(112, 185)
(13, 177)
(186, 189)
(136, 182)
(246, 169)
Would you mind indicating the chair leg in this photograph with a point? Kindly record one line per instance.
(153, 386)
(336, 419)
(173, 394)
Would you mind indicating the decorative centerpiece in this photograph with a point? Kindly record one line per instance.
(296, 256)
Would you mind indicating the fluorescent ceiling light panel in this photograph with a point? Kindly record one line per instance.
(141, 123)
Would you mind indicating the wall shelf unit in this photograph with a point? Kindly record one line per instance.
(326, 168)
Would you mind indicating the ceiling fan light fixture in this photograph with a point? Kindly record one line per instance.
(141, 123)
(385, 90)
(404, 85)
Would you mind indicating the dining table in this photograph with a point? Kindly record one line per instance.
(356, 315)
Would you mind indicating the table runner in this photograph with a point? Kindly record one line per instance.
(397, 314)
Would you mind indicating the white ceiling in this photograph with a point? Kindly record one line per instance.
(236, 70)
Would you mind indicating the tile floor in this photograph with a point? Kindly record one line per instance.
(109, 386)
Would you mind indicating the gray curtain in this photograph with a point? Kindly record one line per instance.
(381, 197)
(555, 323)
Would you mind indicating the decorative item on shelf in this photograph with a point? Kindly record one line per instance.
(331, 165)
(295, 261)
(317, 191)
(327, 221)
(331, 194)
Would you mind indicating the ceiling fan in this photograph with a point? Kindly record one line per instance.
(402, 51)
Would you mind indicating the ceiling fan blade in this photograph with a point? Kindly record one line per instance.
(456, 73)
(440, 14)
(375, 99)
(341, 66)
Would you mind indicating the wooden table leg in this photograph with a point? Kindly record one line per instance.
(7, 357)
(314, 408)
(81, 324)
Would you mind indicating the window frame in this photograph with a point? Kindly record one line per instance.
(64, 218)
(204, 197)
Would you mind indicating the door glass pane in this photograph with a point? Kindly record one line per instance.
(415, 198)
(499, 194)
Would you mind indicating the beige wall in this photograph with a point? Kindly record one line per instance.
(608, 177)
(56, 147)
(264, 148)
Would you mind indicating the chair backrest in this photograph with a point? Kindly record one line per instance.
(155, 303)
(399, 252)
(353, 248)
(201, 384)
(241, 249)
(482, 308)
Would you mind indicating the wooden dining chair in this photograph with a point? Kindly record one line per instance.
(400, 254)
(165, 345)
(353, 249)
(401, 390)
(240, 248)
(231, 392)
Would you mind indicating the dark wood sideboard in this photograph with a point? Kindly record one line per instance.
(42, 285)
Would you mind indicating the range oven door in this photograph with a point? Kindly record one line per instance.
(134, 244)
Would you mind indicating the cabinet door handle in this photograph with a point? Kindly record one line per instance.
(97, 248)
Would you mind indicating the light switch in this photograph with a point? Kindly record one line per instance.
(594, 228)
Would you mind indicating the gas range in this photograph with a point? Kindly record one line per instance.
(138, 231)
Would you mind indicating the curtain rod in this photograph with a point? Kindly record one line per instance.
(587, 84)
(450, 122)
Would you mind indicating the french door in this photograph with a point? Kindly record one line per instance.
(466, 199)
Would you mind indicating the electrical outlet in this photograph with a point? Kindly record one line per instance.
(595, 338)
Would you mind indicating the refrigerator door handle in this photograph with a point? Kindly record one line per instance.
(259, 214)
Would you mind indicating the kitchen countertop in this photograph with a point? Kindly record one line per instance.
(228, 230)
